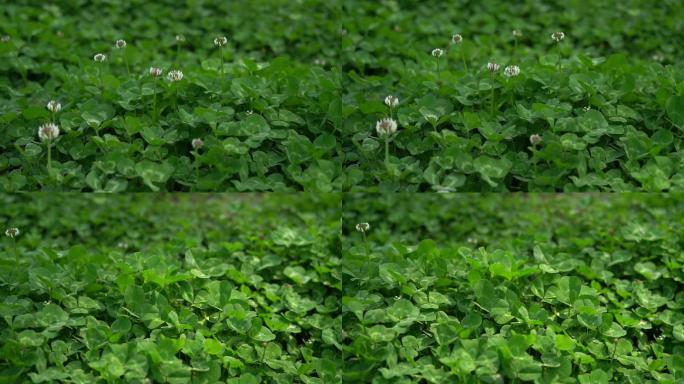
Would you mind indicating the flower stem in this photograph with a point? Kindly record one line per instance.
(464, 60)
(492, 77)
(386, 149)
(49, 162)
(221, 49)
(437, 68)
(155, 100)
(128, 69)
(365, 246)
(559, 56)
(16, 253)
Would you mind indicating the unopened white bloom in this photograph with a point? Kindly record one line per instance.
(457, 39)
(437, 52)
(558, 36)
(386, 126)
(511, 71)
(5, 39)
(516, 33)
(362, 227)
(535, 139)
(180, 38)
(249, 112)
(54, 106)
(12, 232)
(220, 41)
(175, 75)
(120, 43)
(100, 57)
(48, 131)
(391, 101)
(197, 143)
(155, 72)
(493, 67)
(587, 108)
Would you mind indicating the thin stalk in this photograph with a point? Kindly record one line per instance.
(154, 104)
(559, 56)
(128, 69)
(365, 246)
(386, 149)
(49, 162)
(492, 78)
(438, 68)
(177, 51)
(464, 60)
(16, 253)
(221, 50)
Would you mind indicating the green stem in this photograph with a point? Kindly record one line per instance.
(221, 49)
(386, 149)
(16, 253)
(559, 56)
(155, 100)
(177, 51)
(492, 78)
(464, 60)
(49, 162)
(128, 69)
(437, 68)
(365, 246)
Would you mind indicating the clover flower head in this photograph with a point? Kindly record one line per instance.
(5, 39)
(122, 245)
(180, 38)
(517, 33)
(249, 112)
(511, 71)
(54, 106)
(12, 232)
(558, 36)
(391, 101)
(457, 38)
(658, 57)
(437, 52)
(493, 67)
(100, 57)
(120, 43)
(197, 143)
(386, 126)
(362, 227)
(220, 41)
(175, 75)
(535, 139)
(587, 108)
(155, 72)
(48, 131)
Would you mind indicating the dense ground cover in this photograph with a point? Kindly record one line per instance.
(263, 104)
(606, 100)
(170, 289)
(506, 289)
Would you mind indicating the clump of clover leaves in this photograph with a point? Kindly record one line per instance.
(516, 289)
(239, 289)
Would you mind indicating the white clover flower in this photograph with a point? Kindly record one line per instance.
(511, 71)
(535, 139)
(658, 57)
(100, 57)
(362, 227)
(54, 106)
(5, 39)
(437, 52)
(197, 143)
(386, 126)
(587, 108)
(220, 41)
(558, 36)
(120, 43)
(155, 72)
(249, 112)
(48, 131)
(12, 232)
(180, 38)
(122, 245)
(175, 75)
(493, 67)
(457, 39)
(516, 33)
(391, 101)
